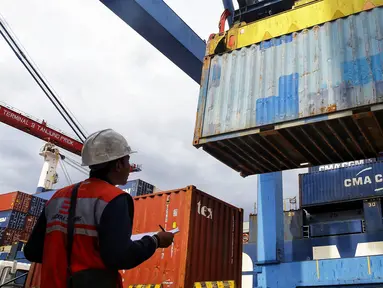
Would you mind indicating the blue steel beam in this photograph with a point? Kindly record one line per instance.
(270, 227)
(165, 30)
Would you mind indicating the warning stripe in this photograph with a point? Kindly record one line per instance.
(146, 286)
(215, 284)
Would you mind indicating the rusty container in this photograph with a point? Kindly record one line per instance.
(18, 201)
(207, 248)
(30, 222)
(311, 97)
(7, 237)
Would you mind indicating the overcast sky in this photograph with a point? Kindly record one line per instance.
(110, 77)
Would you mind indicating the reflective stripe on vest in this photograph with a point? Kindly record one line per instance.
(88, 215)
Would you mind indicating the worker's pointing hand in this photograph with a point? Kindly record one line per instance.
(166, 239)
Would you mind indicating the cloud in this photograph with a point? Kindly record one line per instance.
(110, 77)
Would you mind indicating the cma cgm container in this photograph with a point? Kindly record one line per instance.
(207, 248)
(312, 96)
(340, 185)
(293, 223)
(18, 201)
(137, 187)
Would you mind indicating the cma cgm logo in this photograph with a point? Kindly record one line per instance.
(204, 211)
(362, 179)
(3, 219)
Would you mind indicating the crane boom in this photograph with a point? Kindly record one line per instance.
(39, 130)
(42, 131)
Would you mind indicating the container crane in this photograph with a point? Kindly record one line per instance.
(50, 151)
(39, 129)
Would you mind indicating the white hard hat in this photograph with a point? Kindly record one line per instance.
(104, 146)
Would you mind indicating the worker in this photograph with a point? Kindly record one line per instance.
(102, 242)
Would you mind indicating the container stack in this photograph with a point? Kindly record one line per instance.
(137, 187)
(18, 215)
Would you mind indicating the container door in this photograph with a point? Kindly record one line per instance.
(372, 210)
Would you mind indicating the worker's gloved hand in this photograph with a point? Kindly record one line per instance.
(165, 239)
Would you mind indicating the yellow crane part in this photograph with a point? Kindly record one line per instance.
(305, 14)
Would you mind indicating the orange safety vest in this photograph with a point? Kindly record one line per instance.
(93, 196)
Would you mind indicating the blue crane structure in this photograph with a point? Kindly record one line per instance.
(165, 30)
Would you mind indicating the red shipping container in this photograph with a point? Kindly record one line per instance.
(30, 222)
(26, 203)
(18, 201)
(16, 236)
(207, 248)
(25, 236)
(7, 237)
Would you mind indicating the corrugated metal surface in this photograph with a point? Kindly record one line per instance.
(37, 205)
(208, 247)
(372, 210)
(137, 187)
(16, 236)
(30, 222)
(299, 78)
(345, 184)
(12, 219)
(328, 68)
(15, 201)
(336, 228)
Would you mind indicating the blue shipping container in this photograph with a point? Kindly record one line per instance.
(345, 184)
(137, 187)
(37, 205)
(324, 69)
(272, 105)
(336, 228)
(12, 219)
(340, 165)
(372, 210)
